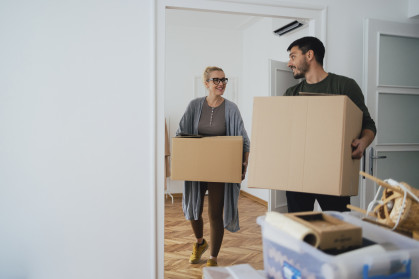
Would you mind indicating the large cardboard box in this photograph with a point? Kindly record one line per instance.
(303, 144)
(212, 159)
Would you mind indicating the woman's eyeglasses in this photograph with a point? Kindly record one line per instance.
(216, 81)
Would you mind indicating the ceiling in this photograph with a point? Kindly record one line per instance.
(211, 20)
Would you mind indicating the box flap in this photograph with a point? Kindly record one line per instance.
(315, 94)
(185, 135)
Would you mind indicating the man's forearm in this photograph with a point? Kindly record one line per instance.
(367, 136)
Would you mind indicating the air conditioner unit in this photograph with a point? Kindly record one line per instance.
(288, 28)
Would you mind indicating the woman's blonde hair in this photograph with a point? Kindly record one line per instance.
(208, 71)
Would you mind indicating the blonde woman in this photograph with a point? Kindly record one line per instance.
(213, 115)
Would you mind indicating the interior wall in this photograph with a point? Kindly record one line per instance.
(189, 51)
(76, 142)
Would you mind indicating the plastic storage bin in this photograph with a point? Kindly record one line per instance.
(291, 258)
(242, 271)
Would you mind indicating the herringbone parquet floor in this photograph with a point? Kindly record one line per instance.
(244, 246)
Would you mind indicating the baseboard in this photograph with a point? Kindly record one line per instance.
(243, 193)
(177, 195)
(254, 198)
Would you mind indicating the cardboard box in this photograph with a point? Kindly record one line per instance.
(332, 232)
(212, 159)
(303, 144)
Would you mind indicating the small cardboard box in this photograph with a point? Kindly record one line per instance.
(211, 159)
(303, 144)
(332, 232)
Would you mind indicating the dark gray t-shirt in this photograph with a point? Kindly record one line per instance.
(212, 121)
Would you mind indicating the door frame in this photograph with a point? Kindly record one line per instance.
(275, 203)
(317, 14)
(373, 29)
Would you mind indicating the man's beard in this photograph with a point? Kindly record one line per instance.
(302, 70)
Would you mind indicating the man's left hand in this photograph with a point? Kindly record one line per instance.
(358, 148)
(359, 145)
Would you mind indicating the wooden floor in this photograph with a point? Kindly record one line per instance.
(244, 246)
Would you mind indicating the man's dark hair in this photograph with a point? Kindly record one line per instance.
(310, 43)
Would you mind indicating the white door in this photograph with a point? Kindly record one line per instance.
(281, 79)
(391, 83)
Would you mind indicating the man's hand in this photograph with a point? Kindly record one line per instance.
(359, 145)
(358, 148)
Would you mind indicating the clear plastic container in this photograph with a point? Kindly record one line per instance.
(242, 271)
(387, 255)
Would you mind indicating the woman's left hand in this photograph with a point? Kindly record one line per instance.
(244, 169)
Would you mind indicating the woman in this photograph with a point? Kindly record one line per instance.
(213, 116)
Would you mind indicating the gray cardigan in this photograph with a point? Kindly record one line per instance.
(234, 127)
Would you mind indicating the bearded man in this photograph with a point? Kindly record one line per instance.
(306, 61)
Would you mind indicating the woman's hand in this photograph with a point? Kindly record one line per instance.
(244, 169)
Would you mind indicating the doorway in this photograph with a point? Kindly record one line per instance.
(281, 79)
(316, 15)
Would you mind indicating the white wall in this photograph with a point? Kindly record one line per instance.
(76, 110)
(189, 51)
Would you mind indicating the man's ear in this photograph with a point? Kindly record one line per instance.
(310, 54)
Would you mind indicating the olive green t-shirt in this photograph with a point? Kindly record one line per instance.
(340, 85)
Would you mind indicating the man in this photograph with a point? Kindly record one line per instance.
(306, 61)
